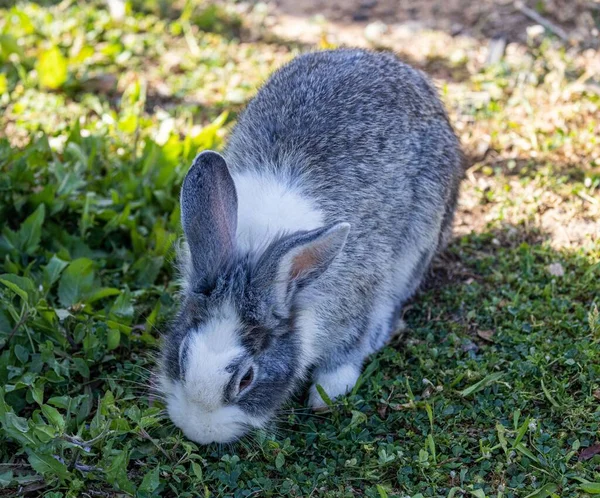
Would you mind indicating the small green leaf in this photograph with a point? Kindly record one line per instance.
(501, 430)
(522, 431)
(482, 384)
(544, 491)
(153, 317)
(60, 401)
(113, 339)
(197, 470)
(101, 294)
(52, 68)
(549, 397)
(76, 282)
(279, 460)
(21, 353)
(524, 451)
(409, 392)
(46, 464)
(45, 433)
(30, 231)
(382, 492)
(119, 326)
(128, 123)
(22, 286)
(86, 218)
(453, 492)
(150, 482)
(16, 422)
(82, 367)
(16, 427)
(358, 417)
(53, 416)
(37, 393)
(592, 488)
(116, 472)
(62, 314)
(478, 493)
(431, 445)
(53, 270)
(122, 309)
(6, 478)
(324, 395)
(429, 411)
(146, 269)
(9, 45)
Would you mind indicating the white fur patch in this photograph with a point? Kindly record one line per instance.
(268, 206)
(403, 286)
(307, 327)
(209, 351)
(336, 383)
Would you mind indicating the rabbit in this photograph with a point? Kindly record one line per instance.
(337, 187)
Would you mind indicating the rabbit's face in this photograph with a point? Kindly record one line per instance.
(233, 355)
(229, 361)
(227, 376)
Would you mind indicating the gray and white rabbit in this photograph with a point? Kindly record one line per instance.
(337, 187)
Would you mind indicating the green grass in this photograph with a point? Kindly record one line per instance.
(493, 391)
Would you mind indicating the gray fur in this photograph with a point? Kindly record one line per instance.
(367, 138)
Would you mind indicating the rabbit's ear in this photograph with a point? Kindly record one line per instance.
(295, 261)
(208, 214)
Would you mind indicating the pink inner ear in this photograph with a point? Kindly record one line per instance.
(303, 262)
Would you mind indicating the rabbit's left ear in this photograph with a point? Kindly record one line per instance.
(294, 262)
(209, 214)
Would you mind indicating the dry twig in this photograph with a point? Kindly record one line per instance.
(549, 25)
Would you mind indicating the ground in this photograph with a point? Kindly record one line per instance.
(493, 389)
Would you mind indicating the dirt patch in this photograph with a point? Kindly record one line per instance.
(564, 219)
(484, 18)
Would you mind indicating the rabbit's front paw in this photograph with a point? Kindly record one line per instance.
(335, 383)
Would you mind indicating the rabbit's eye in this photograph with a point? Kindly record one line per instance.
(246, 380)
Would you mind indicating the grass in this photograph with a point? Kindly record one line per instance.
(493, 391)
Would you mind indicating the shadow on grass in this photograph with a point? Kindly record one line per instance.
(454, 266)
(515, 255)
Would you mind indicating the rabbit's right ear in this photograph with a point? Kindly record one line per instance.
(296, 260)
(208, 214)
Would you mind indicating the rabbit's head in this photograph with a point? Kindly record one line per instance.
(235, 352)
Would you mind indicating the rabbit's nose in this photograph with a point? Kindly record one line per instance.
(206, 407)
(205, 397)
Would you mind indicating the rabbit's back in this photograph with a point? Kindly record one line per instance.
(329, 104)
(360, 131)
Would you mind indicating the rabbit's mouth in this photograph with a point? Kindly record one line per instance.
(222, 425)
